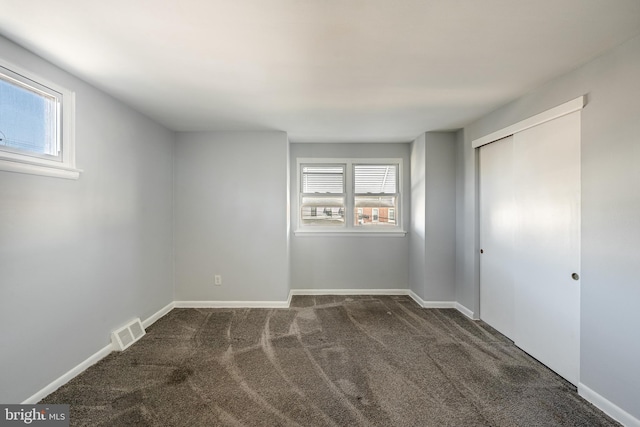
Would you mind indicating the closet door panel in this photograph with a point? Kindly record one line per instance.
(547, 243)
(497, 221)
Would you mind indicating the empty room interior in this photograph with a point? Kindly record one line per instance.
(321, 213)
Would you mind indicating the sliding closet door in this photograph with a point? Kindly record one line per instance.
(530, 241)
(497, 222)
(547, 250)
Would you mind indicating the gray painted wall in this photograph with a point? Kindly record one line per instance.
(417, 231)
(230, 198)
(440, 216)
(463, 292)
(433, 211)
(360, 262)
(610, 293)
(79, 259)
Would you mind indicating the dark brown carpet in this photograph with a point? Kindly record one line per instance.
(326, 361)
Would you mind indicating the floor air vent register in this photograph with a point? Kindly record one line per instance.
(123, 338)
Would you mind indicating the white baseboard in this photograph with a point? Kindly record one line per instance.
(439, 304)
(91, 360)
(289, 299)
(608, 407)
(59, 382)
(430, 304)
(231, 304)
(348, 292)
(416, 298)
(157, 315)
(422, 303)
(464, 310)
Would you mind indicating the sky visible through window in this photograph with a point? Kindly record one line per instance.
(27, 120)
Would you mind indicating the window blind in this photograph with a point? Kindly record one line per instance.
(323, 179)
(376, 179)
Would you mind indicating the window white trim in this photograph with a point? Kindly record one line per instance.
(350, 233)
(348, 228)
(65, 166)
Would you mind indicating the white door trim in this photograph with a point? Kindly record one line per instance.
(559, 111)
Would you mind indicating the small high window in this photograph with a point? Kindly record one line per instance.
(36, 125)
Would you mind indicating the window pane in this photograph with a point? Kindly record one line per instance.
(323, 179)
(324, 211)
(375, 179)
(376, 211)
(28, 119)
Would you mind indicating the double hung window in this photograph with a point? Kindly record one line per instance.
(349, 195)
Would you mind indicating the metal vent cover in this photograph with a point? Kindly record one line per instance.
(127, 335)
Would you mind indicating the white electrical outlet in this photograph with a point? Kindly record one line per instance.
(217, 280)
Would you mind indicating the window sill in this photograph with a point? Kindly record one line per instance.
(350, 233)
(39, 169)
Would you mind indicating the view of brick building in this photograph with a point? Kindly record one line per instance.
(367, 215)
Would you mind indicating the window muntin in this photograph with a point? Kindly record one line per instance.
(36, 125)
(369, 190)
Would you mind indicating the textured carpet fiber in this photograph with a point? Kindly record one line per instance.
(326, 361)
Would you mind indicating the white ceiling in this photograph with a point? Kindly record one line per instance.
(321, 70)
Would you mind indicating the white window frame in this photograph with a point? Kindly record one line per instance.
(389, 215)
(348, 228)
(64, 166)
